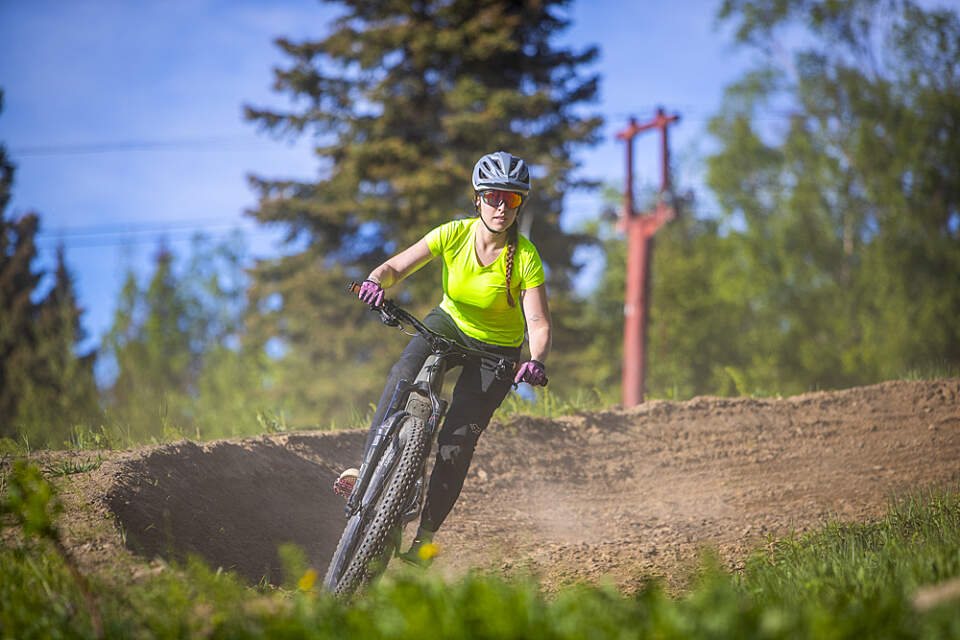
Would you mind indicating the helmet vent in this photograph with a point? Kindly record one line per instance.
(501, 170)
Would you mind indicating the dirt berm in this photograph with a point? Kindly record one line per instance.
(620, 494)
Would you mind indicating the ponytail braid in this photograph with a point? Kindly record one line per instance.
(511, 249)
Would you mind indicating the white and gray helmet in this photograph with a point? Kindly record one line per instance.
(501, 170)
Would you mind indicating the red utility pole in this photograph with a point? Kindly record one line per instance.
(640, 229)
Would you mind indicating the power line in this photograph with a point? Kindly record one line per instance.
(125, 234)
(152, 226)
(699, 114)
(222, 143)
(122, 241)
(209, 144)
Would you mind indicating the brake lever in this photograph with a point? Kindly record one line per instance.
(504, 372)
(388, 319)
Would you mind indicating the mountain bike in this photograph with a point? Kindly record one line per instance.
(391, 486)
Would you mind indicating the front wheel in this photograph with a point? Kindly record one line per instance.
(368, 533)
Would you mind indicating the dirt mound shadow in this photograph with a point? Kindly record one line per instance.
(233, 503)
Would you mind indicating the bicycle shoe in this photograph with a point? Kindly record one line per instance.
(345, 483)
(421, 552)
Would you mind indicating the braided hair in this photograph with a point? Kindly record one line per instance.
(511, 250)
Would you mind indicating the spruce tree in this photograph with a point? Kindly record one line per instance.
(183, 364)
(18, 311)
(402, 99)
(18, 281)
(151, 347)
(61, 392)
(6, 171)
(45, 388)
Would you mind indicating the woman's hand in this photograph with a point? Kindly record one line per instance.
(532, 372)
(372, 293)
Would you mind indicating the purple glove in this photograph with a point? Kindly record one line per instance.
(532, 372)
(371, 293)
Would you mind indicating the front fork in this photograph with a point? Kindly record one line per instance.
(429, 382)
(419, 492)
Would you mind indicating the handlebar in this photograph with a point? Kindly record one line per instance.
(394, 316)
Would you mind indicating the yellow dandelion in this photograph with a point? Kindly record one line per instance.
(427, 551)
(307, 581)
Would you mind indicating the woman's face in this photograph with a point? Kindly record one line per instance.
(498, 217)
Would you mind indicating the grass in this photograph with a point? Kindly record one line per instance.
(356, 417)
(548, 404)
(844, 581)
(69, 467)
(932, 371)
(860, 579)
(916, 543)
(84, 438)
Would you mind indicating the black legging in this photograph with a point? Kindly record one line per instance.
(475, 397)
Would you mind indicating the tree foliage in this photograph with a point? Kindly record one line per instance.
(18, 281)
(45, 387)
(150, 344)
(834, 261)
(59, 391)
(402, 99)
(695, 309)
(183, 365)
(847, 211)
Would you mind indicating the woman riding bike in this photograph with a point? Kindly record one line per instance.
(493, 289)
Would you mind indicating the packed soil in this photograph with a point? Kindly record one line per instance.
(619, 495)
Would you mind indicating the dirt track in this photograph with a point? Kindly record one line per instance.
(620, 494)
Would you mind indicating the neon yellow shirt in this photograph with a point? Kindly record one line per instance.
(476, 296)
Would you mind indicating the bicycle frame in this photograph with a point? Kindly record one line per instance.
(422, 401)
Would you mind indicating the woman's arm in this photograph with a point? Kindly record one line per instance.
(402, 265)
(539, 327)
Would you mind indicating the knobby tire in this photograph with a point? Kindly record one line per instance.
(386, 514)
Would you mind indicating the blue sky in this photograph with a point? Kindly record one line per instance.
(124, 118)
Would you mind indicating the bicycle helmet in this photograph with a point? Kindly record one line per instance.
(501, 170)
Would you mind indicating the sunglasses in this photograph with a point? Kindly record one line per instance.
(494, 197)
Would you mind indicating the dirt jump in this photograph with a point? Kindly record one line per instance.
(618, 495)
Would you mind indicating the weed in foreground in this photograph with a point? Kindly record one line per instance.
(845, 581)
(31, 503)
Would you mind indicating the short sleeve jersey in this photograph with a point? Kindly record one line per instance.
(475, 296)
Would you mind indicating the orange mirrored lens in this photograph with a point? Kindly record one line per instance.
(495, 197)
